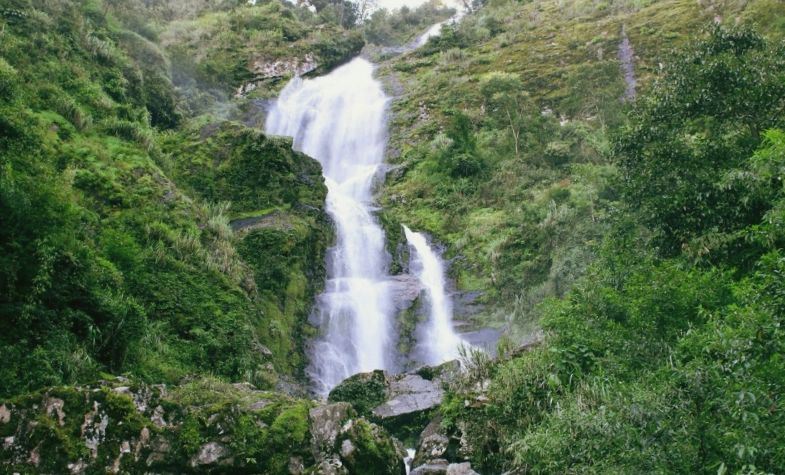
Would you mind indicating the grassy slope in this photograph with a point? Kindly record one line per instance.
(524, 228)
(117, 252)
(651, 365)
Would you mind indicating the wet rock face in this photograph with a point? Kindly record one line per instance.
(466, 304)
(405, 290)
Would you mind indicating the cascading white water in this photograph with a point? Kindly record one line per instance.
(436, 29)
(438, 342)
(340, 120)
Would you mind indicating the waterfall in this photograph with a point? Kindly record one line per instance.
(436, 29)
(340, 120)
(438, 341)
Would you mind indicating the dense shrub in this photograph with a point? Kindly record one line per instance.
(700, 125)
(660, 359)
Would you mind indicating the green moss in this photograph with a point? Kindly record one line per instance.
(190, 437)
(373, 452)
(286, 437)
(407, 324)
(396, 242)
(363, 391)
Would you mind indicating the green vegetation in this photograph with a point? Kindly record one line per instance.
(363, 391)
(666, 355)
(117, 250)
(501, 137)
(147, 230)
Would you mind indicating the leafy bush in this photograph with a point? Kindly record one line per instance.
(702, 122)
(659, 359)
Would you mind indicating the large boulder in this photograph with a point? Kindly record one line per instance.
(408, 394)
(364, 391)
(402, 403)
(367, 448)
(432, 445)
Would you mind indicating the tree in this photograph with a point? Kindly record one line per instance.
(365, 8)
(702, 122)
(340, 12)
(505, 101)
(461, 159)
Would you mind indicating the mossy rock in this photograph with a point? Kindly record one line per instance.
(368, 448)
(200, 426)
(364, 391)
(204, 425)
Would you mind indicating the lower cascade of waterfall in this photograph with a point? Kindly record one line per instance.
(437, 341)
(407, 461)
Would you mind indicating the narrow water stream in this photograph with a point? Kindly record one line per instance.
(437, 341)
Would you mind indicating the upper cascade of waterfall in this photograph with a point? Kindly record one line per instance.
(438, 341)
(340, 120)
(436, 29)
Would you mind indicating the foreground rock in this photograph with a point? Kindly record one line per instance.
(402, 403)
(407, 405)
(444, 468)
(433, 445)
(203, 426)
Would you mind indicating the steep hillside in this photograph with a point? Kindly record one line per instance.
(606, 178)
(119, 253)
(500, 139)
(610, 173)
